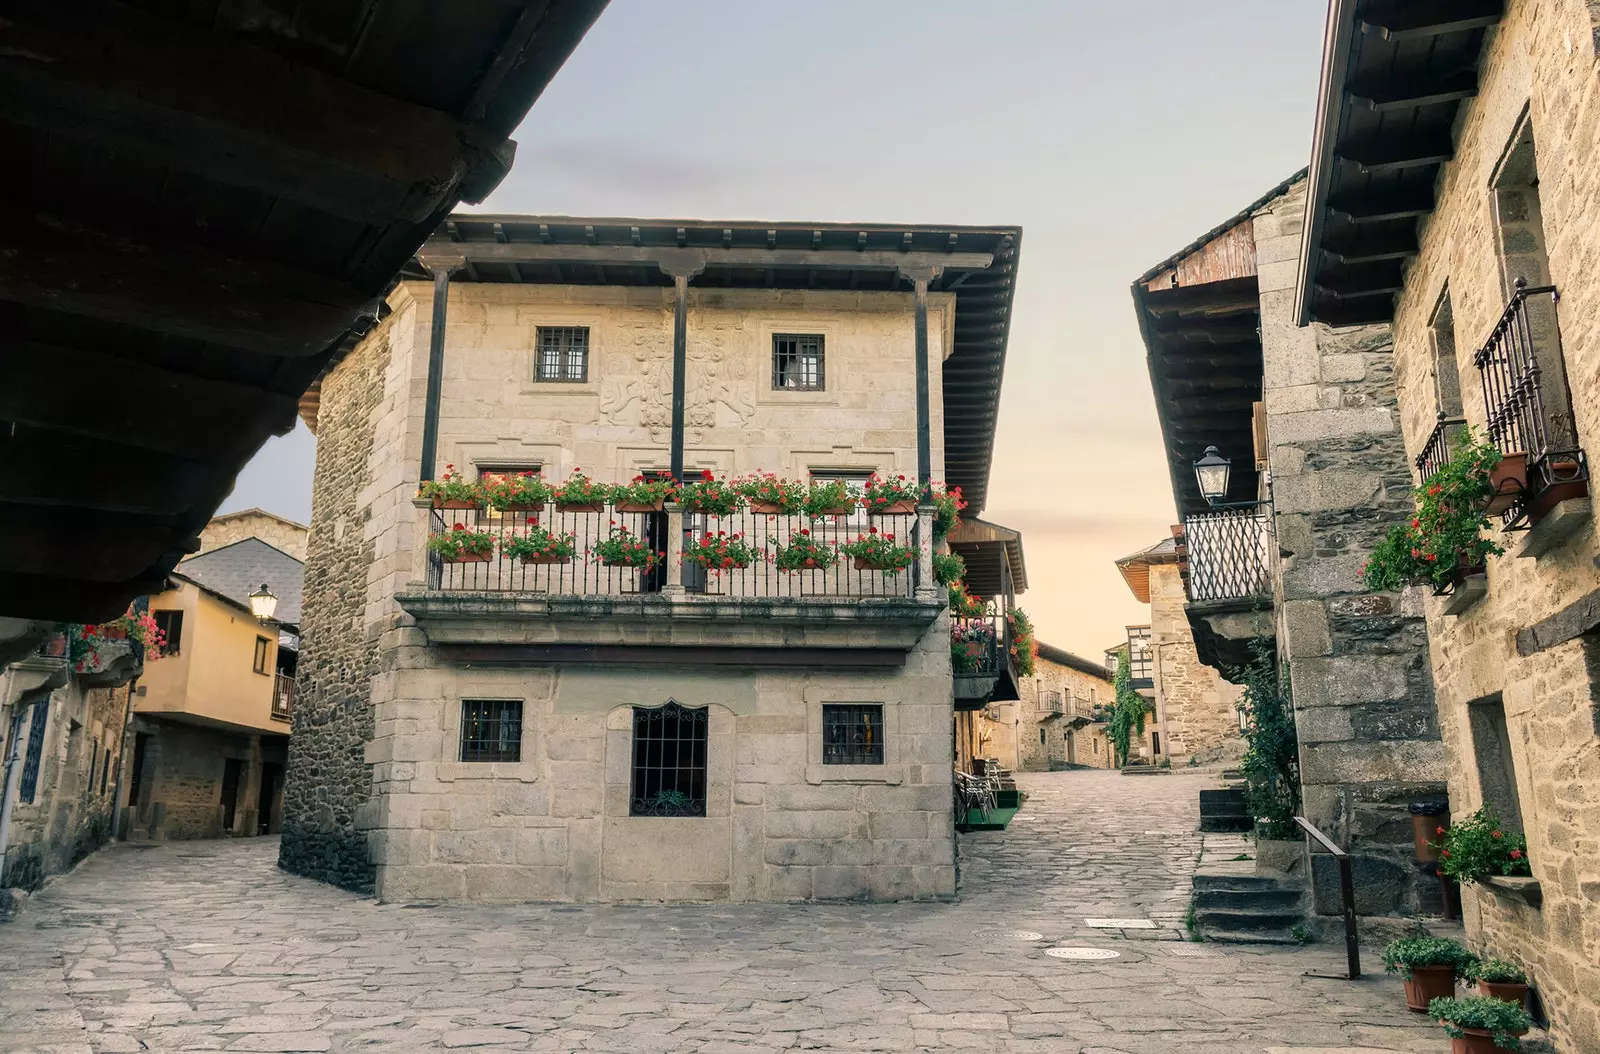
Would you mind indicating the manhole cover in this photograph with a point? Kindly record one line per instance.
(1009, 935)
(1188, 951)
(1081, 954)
(1119, 924)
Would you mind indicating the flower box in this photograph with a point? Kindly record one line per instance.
(582, 506)
(864, 563)
(766, 508)
(641, 506)
(465, 557)
(894, 508)
(456, 503)
(553, 558)
(110, 632)
(1507, 481)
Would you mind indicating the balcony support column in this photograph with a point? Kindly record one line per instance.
(674, 585)
(926, 587)
(441, 267)
(680, 266)
(919, 278)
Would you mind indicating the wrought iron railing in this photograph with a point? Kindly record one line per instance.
(1436, 451)
(580, 576)
(282, 697)
(771, 534)
(1050, 702)
(977, 646)
(1527, 405)
(1229, 554)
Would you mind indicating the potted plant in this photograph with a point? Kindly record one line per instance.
(804, 553)
(964, 604)
(720, 552)
(579, 493)
(828, 497)
(771, 496)
(947, 506)
(522, 492)
(1442, 543)
(884, 496)
(1481, 1026)
(711, 496)
(450, 491)
(1024, 646)
(539, 546)
(1480, 846)
(1427, 965)
(948, 568)
(1498, 979)
(462, 546)
(875, 551)
(642, 494)
(969, 643)
(623, 548)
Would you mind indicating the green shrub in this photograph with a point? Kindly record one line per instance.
(1402, 955)
(1505, 1021)
(1271, 764)
(1495, 971)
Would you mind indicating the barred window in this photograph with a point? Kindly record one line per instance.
(669, 760)
(491, 730)
(797, 362)
(563, 354)
(38, 717)
(852, 734)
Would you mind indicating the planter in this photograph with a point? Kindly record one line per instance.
(1509, 479)
(767, 508)
(834, 510)
(717, 570)
(1477, 1041)
(1426, 819)
(894, 508)
(1506, 991)
(587, 506)
(468, 558)
(545, 559)
(865, 564)
(641, 506)
(1429, 982)
(519, 508)
(633, 567)
(113, 632)
(1566, 482)
(808, 565)
(456, 503)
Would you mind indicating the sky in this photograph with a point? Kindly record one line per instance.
(1114, 134)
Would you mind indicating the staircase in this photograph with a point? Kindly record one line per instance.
(1236, 904)
(1225, 810)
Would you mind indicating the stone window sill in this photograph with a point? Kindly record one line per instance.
(1471, 590)
(1527, 890)
(893, 775)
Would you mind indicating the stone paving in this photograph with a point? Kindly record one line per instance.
(207, 946)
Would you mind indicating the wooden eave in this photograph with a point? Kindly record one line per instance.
(1394, 78)
(993, 555)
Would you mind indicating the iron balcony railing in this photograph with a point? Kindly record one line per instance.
(1436, 451)
(1229, 554)
(584, 575)
(1050, 702)
(1527, 400)
(282, 697)
(977, 646)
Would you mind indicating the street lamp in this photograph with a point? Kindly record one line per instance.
(1211, 471)
(263, 603)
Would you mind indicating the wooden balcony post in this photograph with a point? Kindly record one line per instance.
(674, 585)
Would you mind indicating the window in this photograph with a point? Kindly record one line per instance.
(263, 651)
(105, 770)
(1491, 747)
(170, 623)
(852, 734)
(797, 362)
(1446, 373)
(94, 758)
(38, 718)
(669, 761)
(1155, 741)
(1041, 737)
(562, 354)
(491, 730)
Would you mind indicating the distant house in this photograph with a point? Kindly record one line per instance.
(284, 535)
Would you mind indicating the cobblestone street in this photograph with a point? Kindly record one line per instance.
(206, 946)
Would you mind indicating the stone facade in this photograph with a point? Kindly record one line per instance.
(555, 824)
(283, 535)
(1357, 662)
(1197, 710)
(1538, 92)
(1061, 743)
(183, 785)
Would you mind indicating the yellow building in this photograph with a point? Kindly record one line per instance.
(211, 720)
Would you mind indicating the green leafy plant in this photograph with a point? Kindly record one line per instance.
(1301, 932)
(879, 551)
(1406, 954)
(642, 490)
(782, 495)
(1024, 646)
(710, 495)
(964, 604)
(828, 497)
(720, 551)
(538, 543)
(804, 553)
(1191, 923)
(1445, 534)
(947, 506)
(1128, 712)
(459, 543)
(970, 641)
(884, 492)
(520, 490)
(578, 489)
(1502, 1020)
(622, 548)
(1271, 763)
(948, 568)
(672, 798)
(1495, 971)
(1480, 845)
(451, 487)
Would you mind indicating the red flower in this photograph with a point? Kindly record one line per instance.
(1415, 553)
(1435, 489)
(1516, 854)
(1416, 522)
(872, 530)
(706, 475)
(1431, 558)
(1444, 853)
(1438, 830)
(1497, 834)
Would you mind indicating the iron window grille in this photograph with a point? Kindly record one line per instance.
(852, 734)
(491, 730)
(563, 354)
(1228, 554)
(797, 362)
(670, 744)
(260, 661)
(1436, 451)
(105, 770)
(170, 623)
(30, 763)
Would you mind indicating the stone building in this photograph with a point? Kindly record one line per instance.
(211, 720)
(1494, 184)
(1307, 419)
(1196, 707)
(1053, 723)
(582, 732)
(284, 535)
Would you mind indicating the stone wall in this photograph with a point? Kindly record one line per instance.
(181, 793)
(1357, 662)
(1540, 62)
(1197, 711)
(281, 534)
(328, 780)
(1079, 693)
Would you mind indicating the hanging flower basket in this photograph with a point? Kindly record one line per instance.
(720, 552)
(804, 553)
(623, 548)
(889, 496)
(111, 631)
(451, 491)
(579, 493)
(875, 551)
(767, 495)
(523, 492)
(539, 546)
(461, 546)
(711, 496)
(828, 497)
(642, 495)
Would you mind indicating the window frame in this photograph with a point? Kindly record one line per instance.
(507, 748)
(563, 362)
(647, 780)
(173, 638)
(259, 662)
(876, 752)
(796, 362)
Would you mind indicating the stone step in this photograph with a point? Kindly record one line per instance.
(1248, 920)
(1224, 824)
(1222, 878)
(1267, 899)
(1250, 937)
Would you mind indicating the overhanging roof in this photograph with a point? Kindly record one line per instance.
(978, 265)
(993, 555)
(237, 570)
(200, 203)
(1063, 657)
(1394, 76)
(1135, 569)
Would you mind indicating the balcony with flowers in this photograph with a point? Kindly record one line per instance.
(755, 562)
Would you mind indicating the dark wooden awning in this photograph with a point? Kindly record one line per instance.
(200, 204)
(993, 555)
(1395, 74)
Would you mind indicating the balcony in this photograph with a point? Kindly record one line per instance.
(1436, 451)
(1141, 665)
(1225, 557)
(282, 698)
(1528, 405)
(1050, 704)
(549, 609)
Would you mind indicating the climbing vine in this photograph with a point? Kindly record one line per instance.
(1128, 714)
(1271, 765)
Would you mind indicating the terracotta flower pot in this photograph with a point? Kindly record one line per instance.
(1509, 479)
(766, 508)
(1477, 1041)
(641, 506)
(864, 563)
(1508, 991)
(468, 558)
(1429, 982)
(894, 508)
(808, 564)
(717, 568)
(586, 506)
(549, 558)
(456, 503)
(520, 507)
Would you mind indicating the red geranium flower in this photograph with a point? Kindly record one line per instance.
(1516, 854)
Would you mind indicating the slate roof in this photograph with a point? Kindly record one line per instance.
(237, 570)
(1063, 657)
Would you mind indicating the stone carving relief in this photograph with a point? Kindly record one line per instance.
(717, 378)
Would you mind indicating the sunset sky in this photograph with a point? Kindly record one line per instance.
(1112, 133)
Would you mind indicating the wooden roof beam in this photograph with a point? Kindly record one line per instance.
(1392, 155)
(1396, 244)
(1377, 207)
(813, 259)
(1407, 95)
(1412, 19)
(239, 114)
